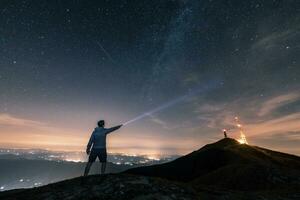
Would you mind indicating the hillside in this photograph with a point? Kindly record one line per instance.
(222, 170)
(231, 165)
(111, 186)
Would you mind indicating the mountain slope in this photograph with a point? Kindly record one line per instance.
(231, 165)
(222, 170)
(110, 186)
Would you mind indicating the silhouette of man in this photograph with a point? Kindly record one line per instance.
(225, 133)
(97, 146)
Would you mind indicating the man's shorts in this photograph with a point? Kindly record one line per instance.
(100, 153)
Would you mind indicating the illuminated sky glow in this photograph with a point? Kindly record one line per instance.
(64, 66)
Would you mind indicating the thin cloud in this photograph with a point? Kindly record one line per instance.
(274, 39)
(286, 142)
(256, 115)
(21, 132)
(6, 119)
(277, 102)
(159, 121)
(283, 124)
(163, 123)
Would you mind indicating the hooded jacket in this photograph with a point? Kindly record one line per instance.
(98, 137)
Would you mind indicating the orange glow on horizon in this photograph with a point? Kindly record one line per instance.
(36, 135)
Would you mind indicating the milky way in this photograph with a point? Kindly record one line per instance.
(66, 64)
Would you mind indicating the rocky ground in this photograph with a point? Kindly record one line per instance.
(134, 187)
(112, 187)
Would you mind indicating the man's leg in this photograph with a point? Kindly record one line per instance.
(87, 168)
(103, 167)
(103, 160)
(92, 159)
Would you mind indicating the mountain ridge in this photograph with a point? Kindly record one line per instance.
(224, 158)
(225, 169)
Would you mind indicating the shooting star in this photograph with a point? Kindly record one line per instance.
(106, 53)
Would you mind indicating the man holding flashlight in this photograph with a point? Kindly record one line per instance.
(96, 146)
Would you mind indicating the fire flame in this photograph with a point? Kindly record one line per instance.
(242, 138)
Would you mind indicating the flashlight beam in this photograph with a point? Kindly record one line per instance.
(173, 102)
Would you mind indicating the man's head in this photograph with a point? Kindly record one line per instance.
(101, 123)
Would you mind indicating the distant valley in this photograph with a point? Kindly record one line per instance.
(21, 168)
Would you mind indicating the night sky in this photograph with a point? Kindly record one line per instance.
(66, 64)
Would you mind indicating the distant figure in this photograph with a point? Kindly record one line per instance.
(225, 133)
(97, 146)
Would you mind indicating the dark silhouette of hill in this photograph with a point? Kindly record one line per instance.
(110, 187)
(222, 170)
(231, 165)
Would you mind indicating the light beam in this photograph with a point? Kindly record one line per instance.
(192, 93)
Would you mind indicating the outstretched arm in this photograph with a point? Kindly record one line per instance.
(89, 145)
(113, 129)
